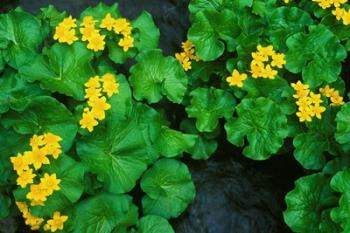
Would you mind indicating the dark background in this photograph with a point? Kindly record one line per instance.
(234, 194)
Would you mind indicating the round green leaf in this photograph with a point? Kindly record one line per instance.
(20, 37)
(154, 224)
(285, 21)
(119, 153)
(342, 134)
(169, 189)
(264, 125)
(208, 105)
(341, 183)
(147, 33)
(171, 143)
(62, 68)
(318, 52)
(306, 203)
(103, 213)
(101, 10)
(16, 92)
(155, 75)
(41, 115)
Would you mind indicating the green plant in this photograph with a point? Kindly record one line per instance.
(266, 73)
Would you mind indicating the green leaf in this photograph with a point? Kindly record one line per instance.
(263, 7)
(310, 148)
(120, 152)
(62, 68)
(51, 17)
(204, 146)
(20, 37)
(41, 115)
(209, 28)
(155, 75)
(261, 121)
(71, 174)
(5, 203)
(103, 213)
(342, 134)
(117, 54)
(169, 189)
(208, 105)
(154, 224)
(101, 10)
(16, 92)
(318, 52)
(147, 33)
(341, 183)
(284, 22)
(198, 5)
(171, 143)
(306, 203)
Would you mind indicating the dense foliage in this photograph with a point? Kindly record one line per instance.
(78, 137)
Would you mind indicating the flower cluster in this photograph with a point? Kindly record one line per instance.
(187, 55)
(54, 224)
(97, 102)
(24, 164)
(309, 103)
(65, 32)
(236, 79)
(333, 95)
(272, 59)
(339, 12)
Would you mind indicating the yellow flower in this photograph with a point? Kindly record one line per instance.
(37, 203)
(57, 222)
(338, 13)
(337, 3)
(33, 221)
(99, 106)
(92, 93)
(266, 51)
(187, 46)
(88, 33)
(256, 69)
(346, 17)
(304, 116)
(53, 149)
(96, 42)
(315, 98)
(187, 64)
(236, 79)
(110, 86)
(336, 99)
(107, 22)
(126, 43)
(36, 141)
(23, 207)
(69, 22)
(50, 138)
(278, 60)
(20, 163)
(88, 121)
(37, 193)
(88, 21)
(327, 91)
(317, 110)
(120, 25)
(260, 58)
(286, 1)
(50, 183)
(268, 72)
(38, 158)
(25, 178)
(93, 82)
(299, 86)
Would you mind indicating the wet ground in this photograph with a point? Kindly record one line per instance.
(234, 194)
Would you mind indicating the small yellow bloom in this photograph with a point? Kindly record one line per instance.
(266, 51)
(50, 138)
(23, 207)
(96, 42)
(50, 183)
(69, 22)
(36, 141)
(110, 86)
(236, 79)
(108, 22)
(317, 110)
(25, 178)
(268, 72)
(304, 116)
(88, 33)
(92, 93)
(93, 82)
(20, 163)
(88, 121)
(99, 106)
(33, 221)
(299, 86)
(37, 193)
(278, 60)
(126, 43)
(338, 13)
(346, 17)
(57, 222)
(336, 99)
(120, 25)
(38, 157)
